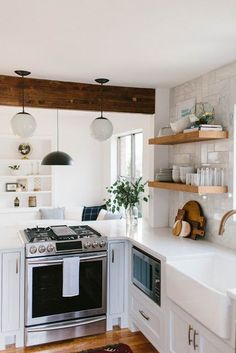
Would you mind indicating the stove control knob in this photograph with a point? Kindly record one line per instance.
(102, 244)
(95, 244)
(42, 249)
(33, 249)
(50, 248)
(87, 245)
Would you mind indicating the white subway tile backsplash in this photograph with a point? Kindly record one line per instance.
(222, 146)
(219, 89)
(204, 152)
(218, 158)
(181, 158)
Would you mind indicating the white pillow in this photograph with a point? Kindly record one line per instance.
(74, 213)
(111, 215)
(101, 215)
(106, 215)
(52, 213)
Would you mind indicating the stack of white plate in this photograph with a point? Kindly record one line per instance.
(164, 174)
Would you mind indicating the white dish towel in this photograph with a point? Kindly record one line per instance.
(71, 267)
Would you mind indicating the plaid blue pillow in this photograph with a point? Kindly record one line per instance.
(91, 213)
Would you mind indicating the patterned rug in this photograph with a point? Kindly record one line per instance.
(115, 348)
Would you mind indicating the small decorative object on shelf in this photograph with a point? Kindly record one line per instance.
(32, 202)
(180, 125)
(37, 184)
(190, 221)
(16, 202)
(204, 127)
(202, 113)
(23, 184)
(25, 150)
(11, 187)
(14, 169)
(128, 195)
(165, 131)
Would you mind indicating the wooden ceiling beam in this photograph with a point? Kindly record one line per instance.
(77, 96)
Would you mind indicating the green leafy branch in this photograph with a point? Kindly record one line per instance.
(125, 194)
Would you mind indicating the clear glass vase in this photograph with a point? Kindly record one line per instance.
(131, 215)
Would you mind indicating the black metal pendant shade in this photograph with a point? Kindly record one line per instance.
(57, 158)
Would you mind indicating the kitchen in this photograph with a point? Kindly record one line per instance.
(105, 282)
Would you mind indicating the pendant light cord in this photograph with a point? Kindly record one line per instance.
(101, 100)
(23, 93)
(57, 130)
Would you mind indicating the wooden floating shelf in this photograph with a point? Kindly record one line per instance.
(188, 137)
(17, 160)
(33, 176)
(201, 190)
(10, 193)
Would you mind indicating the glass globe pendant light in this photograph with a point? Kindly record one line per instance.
(23, 124)
(57, 157)
(101, 128)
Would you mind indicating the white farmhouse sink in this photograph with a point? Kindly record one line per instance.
(199, 284)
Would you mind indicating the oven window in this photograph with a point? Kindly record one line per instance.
(47, 290)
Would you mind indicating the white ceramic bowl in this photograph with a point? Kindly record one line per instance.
(181, 124)
(176, 175)
(183, 171)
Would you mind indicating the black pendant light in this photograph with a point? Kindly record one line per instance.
(101, 128)
(57, 157)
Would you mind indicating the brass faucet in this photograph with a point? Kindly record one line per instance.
(224, 220)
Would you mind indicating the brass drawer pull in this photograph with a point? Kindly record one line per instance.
(190, 329)
(144, 315)
(195, 345)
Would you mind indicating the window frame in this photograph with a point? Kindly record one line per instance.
(133, 155)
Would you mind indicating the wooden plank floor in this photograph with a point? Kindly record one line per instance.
(137, 342)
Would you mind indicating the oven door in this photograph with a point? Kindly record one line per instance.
(44, 283)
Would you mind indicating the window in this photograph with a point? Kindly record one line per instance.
(130, 156)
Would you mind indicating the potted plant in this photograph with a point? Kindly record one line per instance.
(14, 169)
(126, 194)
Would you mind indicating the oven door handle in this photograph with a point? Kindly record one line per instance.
(58, 262)
(58, 327)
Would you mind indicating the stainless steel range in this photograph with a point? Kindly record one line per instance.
(65, 283)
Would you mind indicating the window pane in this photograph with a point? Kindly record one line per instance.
(138, 155)
(125, 156)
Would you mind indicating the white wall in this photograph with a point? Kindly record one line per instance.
(159, 200)
(80, 184)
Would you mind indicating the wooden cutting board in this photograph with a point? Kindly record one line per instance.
(194, 215)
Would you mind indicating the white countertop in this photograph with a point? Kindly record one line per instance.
(158, 242)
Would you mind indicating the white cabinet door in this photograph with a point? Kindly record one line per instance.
(116, 277)
(186, 335)
(180, 333)
(10, 291)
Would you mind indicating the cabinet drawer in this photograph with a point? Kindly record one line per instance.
(147, 319)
